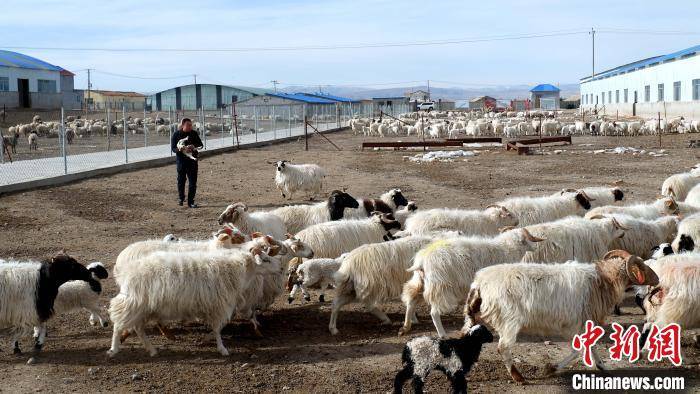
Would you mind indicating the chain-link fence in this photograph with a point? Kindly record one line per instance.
(63, 142)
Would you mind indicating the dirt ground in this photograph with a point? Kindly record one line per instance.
(95, 219)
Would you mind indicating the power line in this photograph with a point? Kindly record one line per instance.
(138, 77)
(506, 37)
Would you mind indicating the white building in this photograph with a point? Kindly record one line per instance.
(27, 82)
(666, 84)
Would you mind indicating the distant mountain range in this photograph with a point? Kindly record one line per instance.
(504, 93)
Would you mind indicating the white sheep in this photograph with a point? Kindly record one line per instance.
(299, 217)
(688, 237)
(250, 222)
(693, 196)
(550, 299)
(600, 196)
(678, 185)
(641, 235)
(315, 273)
(657, 209)
(406, 212)
(331, 239)
(574, 238)
(443, 270)
(468, 222)
(534, 210)
(166, 286)
(28, 291)
(290, 178)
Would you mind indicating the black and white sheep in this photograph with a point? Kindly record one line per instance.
(28, 291)
(299, 217)
(388, 202)
(454, 357)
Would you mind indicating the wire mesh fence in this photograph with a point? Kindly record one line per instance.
(64, 142)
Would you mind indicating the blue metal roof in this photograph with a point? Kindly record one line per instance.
(331, 97)
(14, 59)
(545, 87)
(301, 97)
(649, 62)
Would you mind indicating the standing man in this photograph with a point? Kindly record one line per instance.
(186, 166)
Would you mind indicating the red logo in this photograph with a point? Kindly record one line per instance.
(665, 343)
(626, 343)
(586, 340)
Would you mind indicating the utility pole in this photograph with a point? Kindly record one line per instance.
(592, 33)
(195, 78)
(87, 104)
(428, 89)
(274, 84)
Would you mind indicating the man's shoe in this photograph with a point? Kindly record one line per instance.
(180, 203)
(193, 205)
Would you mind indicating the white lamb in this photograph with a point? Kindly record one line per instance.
(678, 185)
(290, 178)
(315, 273)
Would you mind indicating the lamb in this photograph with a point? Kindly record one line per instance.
(574, 238)
(641, 236)
(28, 291)
(264, 222)
(315, 272)
(657, 209)
(469, 222)
(534, 210)
(443, 270)
(299, 217)
(678, 185)
(693, 196)
(182, 147)
(688, 237)
(388, 202)
(676, 299)
(76, 295)
(331, 239)
(518, 298)
(454, 357)
(168, 285)
(290, 178)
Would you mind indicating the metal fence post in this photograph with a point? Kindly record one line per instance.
(204, 127)
(255, 121)
(109, 131)
(170, 127)
(274, 123)
(306, 135)
(289, 120)
(63, 132)
(145, 128)
(221, 117)
(126, 135)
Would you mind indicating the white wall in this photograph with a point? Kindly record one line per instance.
(683, 70)
(13, 73)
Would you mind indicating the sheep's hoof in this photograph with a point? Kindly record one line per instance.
(224, 352)
(290, 300)
(283, 196)
(153, 353)
(111, 353)
(16, 351)
(403, 331)
(307, 298)
(550, 369)
(517, 377)
(93, 323)
(105, 324)
(333, 330)
(38, 346)
(321, 298)
(257, 333)
(697, 341)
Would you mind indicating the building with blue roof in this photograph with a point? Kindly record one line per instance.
(668, 84)
(28, 82)
(210, 97)
(545, 96)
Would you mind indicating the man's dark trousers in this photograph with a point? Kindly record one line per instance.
(187, 170)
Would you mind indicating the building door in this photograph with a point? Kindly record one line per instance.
(23, 93)
(635, 96)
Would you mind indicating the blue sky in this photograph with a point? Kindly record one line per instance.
(236, 24)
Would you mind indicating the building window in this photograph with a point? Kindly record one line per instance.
(4, 84)
(46, 86)
(609, 96)
(647, 93)
(677, 91)
(602, 98)
(696, 89)
(617, 96)
(624, 95)
(661, 92)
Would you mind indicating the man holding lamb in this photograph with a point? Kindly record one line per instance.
(185, 143)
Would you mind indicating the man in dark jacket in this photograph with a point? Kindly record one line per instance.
(186, 166)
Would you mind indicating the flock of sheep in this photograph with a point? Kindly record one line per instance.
(504, 263)
(452, 124)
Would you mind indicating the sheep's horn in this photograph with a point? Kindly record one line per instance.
(531, 237)
(597, 216)
(493, 206)
(568, 191)
(242, 205)
(506, 228)
(623, 254)
(583, 193)
(618, 225)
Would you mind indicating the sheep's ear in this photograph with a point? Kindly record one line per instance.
(256, 234)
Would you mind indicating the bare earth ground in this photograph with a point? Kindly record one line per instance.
(95, 219)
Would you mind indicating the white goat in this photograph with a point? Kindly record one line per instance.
(290, 178)
(468, 222)
(534, 210)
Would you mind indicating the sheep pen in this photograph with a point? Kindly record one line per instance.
(97, 218)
